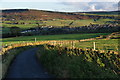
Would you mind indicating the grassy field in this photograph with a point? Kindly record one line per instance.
(56, 22)
(102, 44)
(111, 44)
(51, 37)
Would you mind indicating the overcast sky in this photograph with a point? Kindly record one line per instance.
(61, 5)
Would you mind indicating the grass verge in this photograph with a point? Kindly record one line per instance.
(63, 66)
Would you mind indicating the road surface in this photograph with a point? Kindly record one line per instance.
(25, 65)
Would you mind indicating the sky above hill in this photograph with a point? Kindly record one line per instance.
(61, 5)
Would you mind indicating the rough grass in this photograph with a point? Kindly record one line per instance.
(63, 66)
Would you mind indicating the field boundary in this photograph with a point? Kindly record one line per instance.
(51, 42)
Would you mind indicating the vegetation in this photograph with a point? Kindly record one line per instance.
(26, 19)
(69, 56)
(51, 37)
(78, 63)
(57, 22)
(102, 44)
(40, 15)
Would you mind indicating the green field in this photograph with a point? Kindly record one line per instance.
(56, 22)
(52, 37)
(102, 44)
(111, 44)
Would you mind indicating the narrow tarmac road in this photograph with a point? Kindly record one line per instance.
(25, 65)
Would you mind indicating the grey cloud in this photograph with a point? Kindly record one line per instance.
(87, 6)
(106, 6)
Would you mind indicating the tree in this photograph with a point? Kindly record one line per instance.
(15, 31)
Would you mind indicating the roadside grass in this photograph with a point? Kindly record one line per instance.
(64, 66)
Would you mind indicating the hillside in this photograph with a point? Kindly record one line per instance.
(29, 14)
(103, 12)
(31, 22)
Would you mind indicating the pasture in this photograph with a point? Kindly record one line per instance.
(57, 22)
(102, 44)
(51, 37)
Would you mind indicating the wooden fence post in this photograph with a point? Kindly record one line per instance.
(72, 44)
(53, 42)
(94, 45)
(35, 39)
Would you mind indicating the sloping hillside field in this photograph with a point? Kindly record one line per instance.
(48, 44)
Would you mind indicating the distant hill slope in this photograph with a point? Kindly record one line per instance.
(102, 12)
(31, 14)
(108, 12)
(24, 14)
(14, 10)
